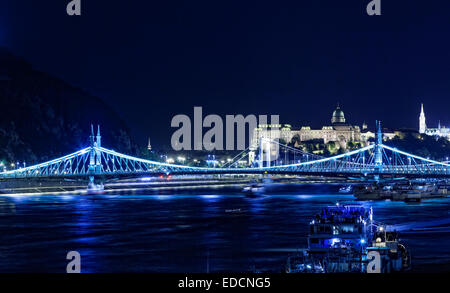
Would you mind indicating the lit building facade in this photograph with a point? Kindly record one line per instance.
(439, 131)
(339, 131)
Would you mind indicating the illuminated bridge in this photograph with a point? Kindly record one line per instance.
(377, 159)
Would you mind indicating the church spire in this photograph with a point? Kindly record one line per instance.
(422, 123)
(149, 146)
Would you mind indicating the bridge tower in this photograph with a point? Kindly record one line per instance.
(269, 145)
(95, 164)
(91, 169)
(260, 161)
(99, 137)
(264, 152)
(98, 158)
(92, 152)
(378, 151)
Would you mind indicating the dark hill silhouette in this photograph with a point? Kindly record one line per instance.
(43, 117)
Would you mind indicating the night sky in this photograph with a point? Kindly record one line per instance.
(151, 60)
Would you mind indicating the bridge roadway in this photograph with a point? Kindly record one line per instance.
(237, 171)
(96, 161)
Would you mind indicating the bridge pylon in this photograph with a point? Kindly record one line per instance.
(378, 151)
(264, 152)
(260, 159)
(95, 164)
(375, 159)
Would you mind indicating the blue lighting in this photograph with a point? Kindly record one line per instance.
(335, 240)
(97, 160)
(209, 196)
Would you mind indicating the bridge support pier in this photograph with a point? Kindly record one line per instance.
(94, 161)
(93, 186)
(91, 183)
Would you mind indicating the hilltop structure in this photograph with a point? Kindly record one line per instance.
(339, 131)
(438, 132)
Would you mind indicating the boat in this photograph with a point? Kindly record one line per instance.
(236, 213)
(413, 199)
(374, 191)
(345, 189)
(343, 238)
(443, 189)
(254, 189)
(258, 188)
(402, 191)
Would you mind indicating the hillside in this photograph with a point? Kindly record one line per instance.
(43, 117)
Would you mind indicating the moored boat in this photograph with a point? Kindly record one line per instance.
(345, 189)
(402, 191)
(342, 239)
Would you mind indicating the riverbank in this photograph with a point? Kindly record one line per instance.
(162, 184)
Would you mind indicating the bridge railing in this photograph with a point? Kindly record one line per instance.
(98, 160)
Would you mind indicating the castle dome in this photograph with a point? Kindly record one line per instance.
(338, 116)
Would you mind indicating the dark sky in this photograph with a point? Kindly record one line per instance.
(152, 60)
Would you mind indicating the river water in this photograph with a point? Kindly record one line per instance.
(193, 232)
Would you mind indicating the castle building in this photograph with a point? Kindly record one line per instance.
(339, 131)
(438, 132)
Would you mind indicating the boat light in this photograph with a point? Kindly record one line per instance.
(335, 240)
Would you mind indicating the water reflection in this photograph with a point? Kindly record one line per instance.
(191, 233)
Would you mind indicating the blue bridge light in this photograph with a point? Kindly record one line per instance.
(97, 160)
